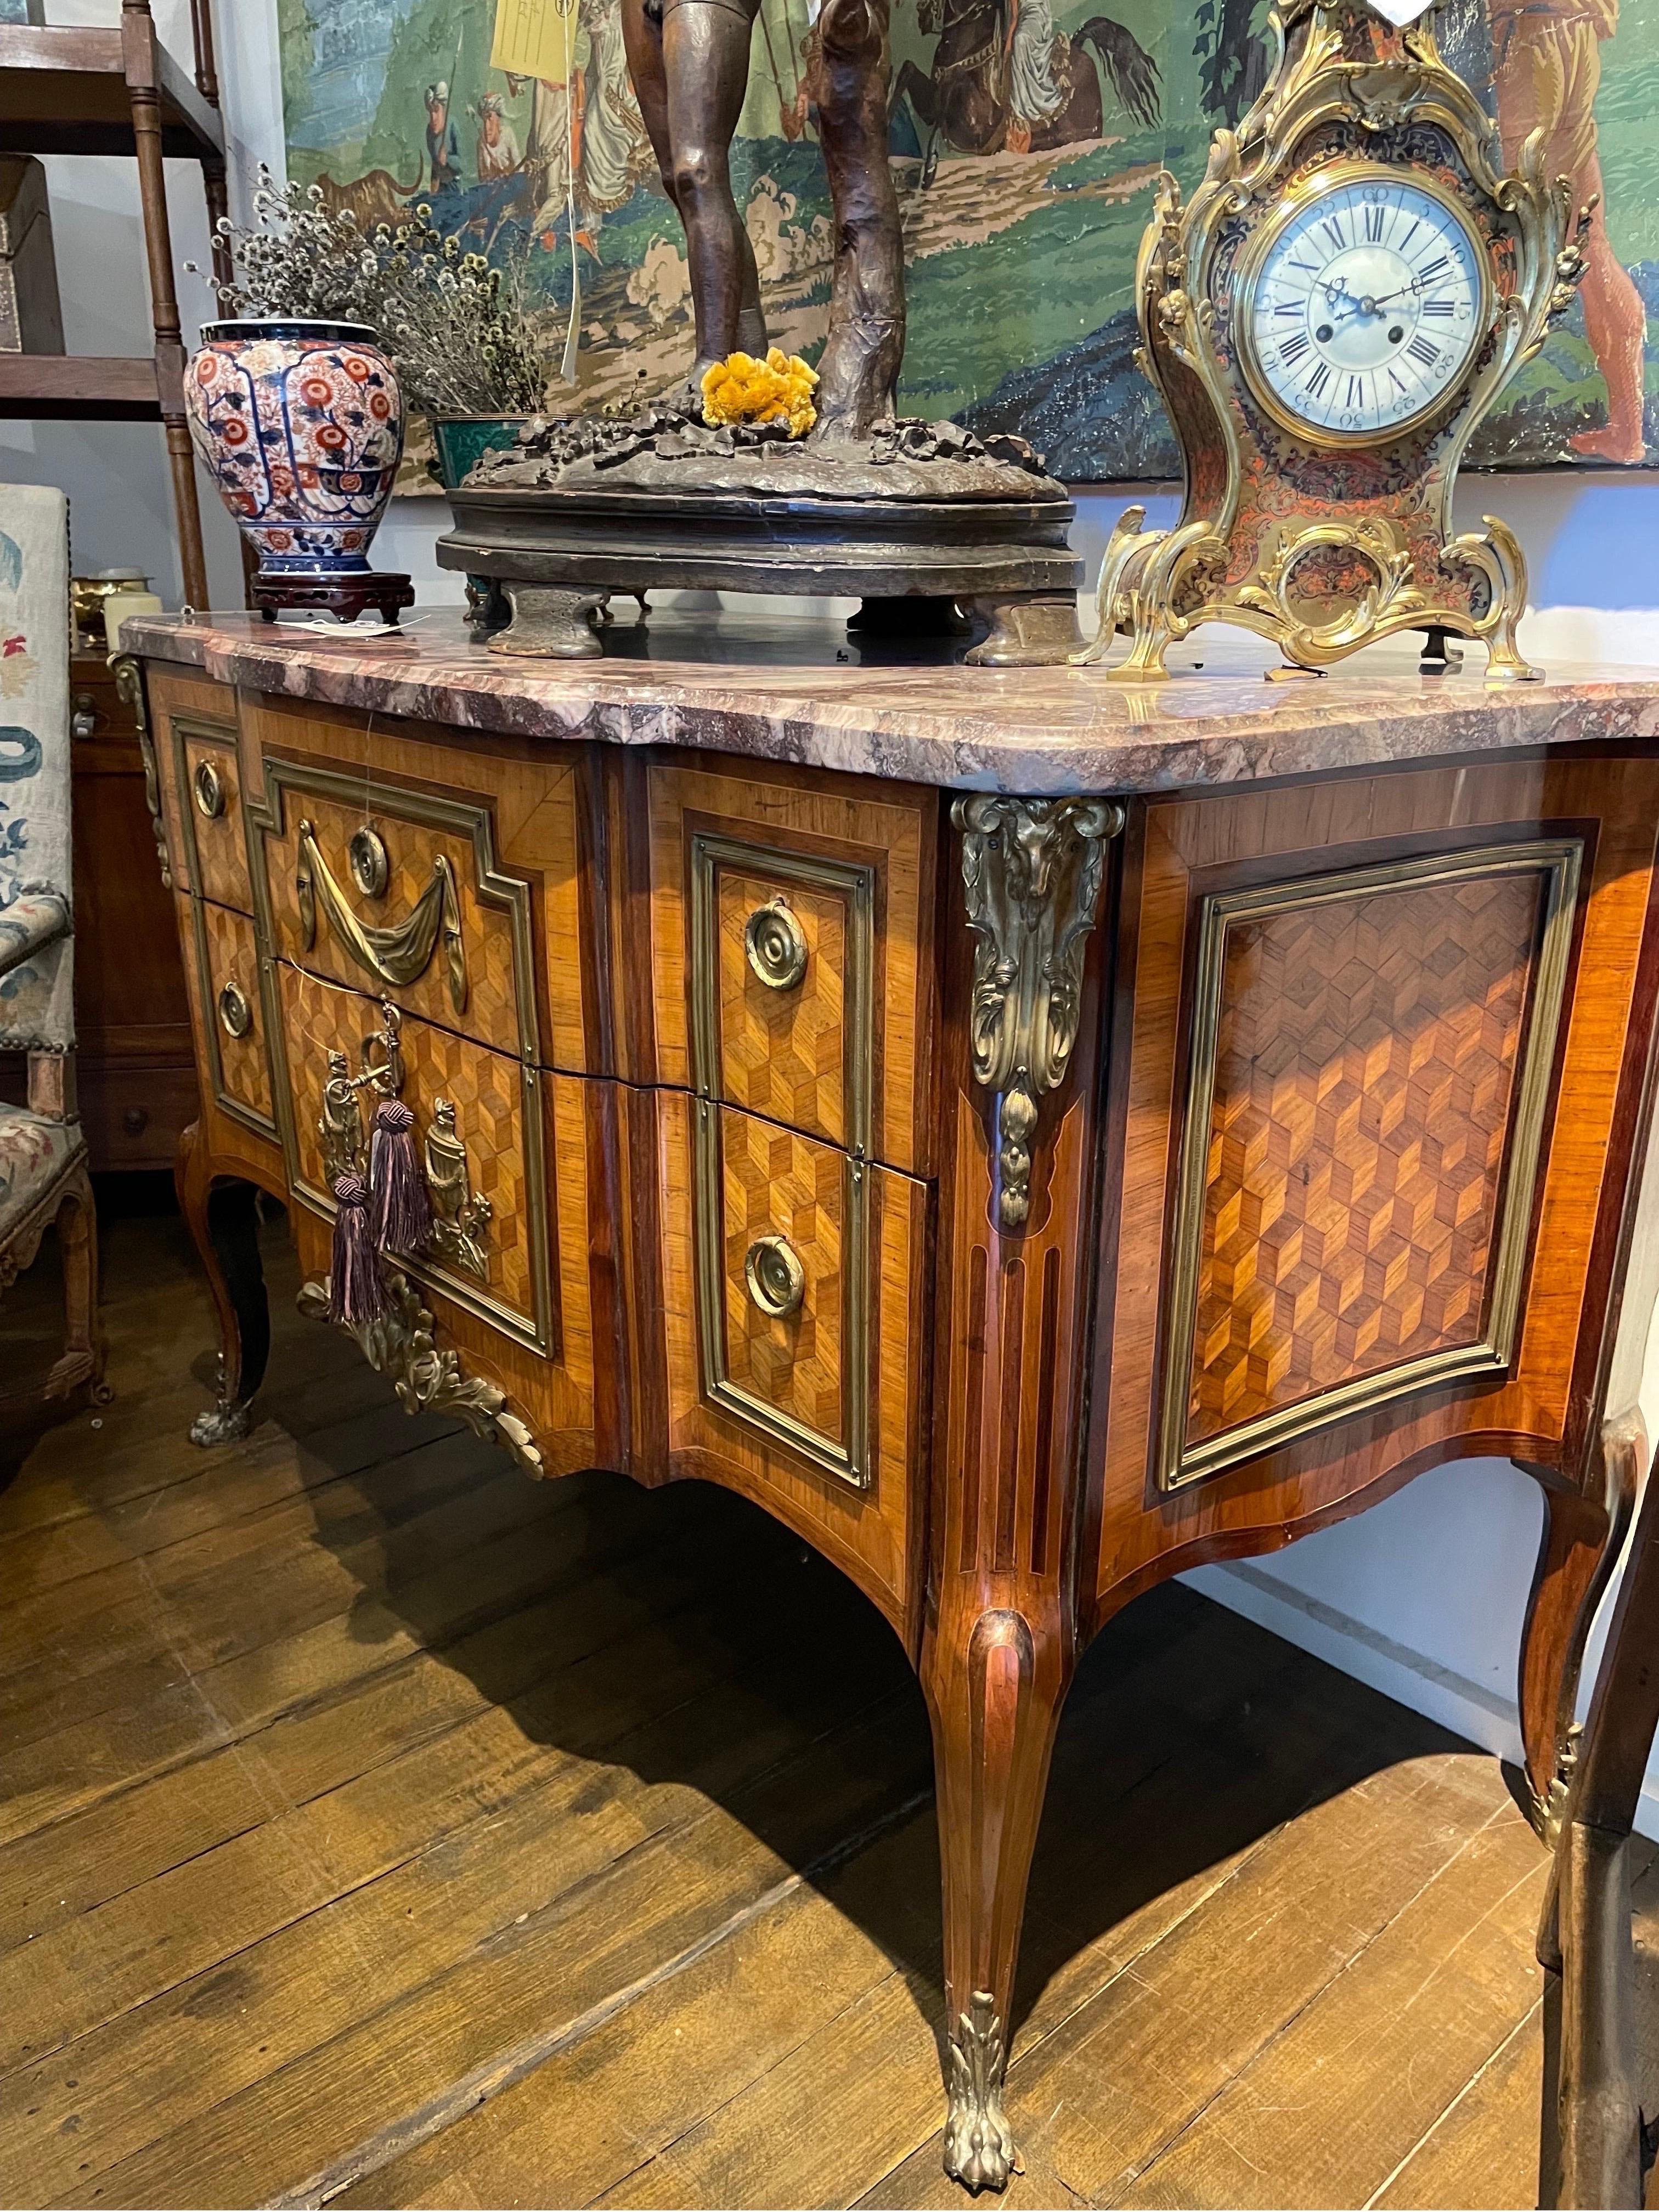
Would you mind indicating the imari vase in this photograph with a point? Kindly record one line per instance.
(301, 424)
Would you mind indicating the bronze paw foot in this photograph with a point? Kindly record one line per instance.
(979, 2144)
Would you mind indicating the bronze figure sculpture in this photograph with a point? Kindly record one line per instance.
(853, 501)
(689, 63)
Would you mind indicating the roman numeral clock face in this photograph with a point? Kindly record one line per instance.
(1366, 306)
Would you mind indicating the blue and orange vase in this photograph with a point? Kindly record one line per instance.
(301, 426)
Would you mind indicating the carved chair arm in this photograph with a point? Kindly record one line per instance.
(29, 925)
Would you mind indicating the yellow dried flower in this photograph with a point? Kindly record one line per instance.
(779, 389)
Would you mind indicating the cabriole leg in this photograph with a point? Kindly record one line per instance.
(1577, 1553)
(993, 1684)
(1594, 2144)
(224, 1226)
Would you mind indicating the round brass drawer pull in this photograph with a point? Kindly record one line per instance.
(371, 868)
(209, 790)
(777, 946)
(235, 1015)
(775, 1278)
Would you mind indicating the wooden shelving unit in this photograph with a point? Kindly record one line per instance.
(90, 91)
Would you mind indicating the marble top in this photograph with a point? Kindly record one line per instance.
(783, 688)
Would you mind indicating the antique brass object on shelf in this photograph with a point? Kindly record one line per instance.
(1326, 539)
(207, 790)
(1032, 869)
(774, 1277)
(235, 1015)
(401, 952)
(774, 945)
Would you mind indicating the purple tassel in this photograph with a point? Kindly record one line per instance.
(355, 1292)
(399, 1204)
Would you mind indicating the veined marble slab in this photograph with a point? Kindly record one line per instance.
(796, 689)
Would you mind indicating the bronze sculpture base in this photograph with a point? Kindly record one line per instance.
(919, 513)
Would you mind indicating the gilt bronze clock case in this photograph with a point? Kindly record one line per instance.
(1319, 540)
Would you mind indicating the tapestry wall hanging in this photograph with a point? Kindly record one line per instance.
(1025, 137)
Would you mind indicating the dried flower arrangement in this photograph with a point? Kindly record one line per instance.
(454, 328)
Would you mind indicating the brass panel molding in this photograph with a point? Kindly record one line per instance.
(228, 1009)
(396, 956)
(779, 942)
(458, 1262)
(130, 689)
(401, 1346)
(1032, 870)
(846, 1455)
(1183, 1456)
(207, 797)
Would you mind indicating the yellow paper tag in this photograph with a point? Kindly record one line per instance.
(534, 38)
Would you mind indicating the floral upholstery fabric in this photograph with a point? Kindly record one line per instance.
(36, 1004)
(34, 920)
(33, 1154)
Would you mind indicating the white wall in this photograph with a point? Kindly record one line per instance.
(1423, 1596)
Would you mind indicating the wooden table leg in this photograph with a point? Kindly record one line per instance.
(1584, 1941)
(993, 1681)
(1016, 1258)
(220, 1213)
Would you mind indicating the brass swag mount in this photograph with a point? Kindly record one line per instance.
(1268, 509)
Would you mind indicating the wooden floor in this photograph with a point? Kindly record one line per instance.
(377, 1826)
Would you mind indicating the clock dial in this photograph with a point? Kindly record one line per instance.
(1366, 306)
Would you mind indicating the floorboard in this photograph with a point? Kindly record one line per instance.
(378, 1828)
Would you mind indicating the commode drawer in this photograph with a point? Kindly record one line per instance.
(791, 971)
(793, 1300)
(479, 1133)
(191, 718)
(202, 787)
(232, 1047)
(396, 892)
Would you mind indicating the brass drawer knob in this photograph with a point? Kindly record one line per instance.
(777, 946)
(208, 790)
(775, 1278)
(370, 865)
(235, 1015)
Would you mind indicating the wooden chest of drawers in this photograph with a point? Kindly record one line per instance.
(1021, 1196)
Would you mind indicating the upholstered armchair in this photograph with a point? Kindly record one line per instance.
(43, 1155)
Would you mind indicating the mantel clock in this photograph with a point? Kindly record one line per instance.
(1327, 319)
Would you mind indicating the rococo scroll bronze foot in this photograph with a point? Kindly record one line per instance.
(220, 1214)
(226, 1423)
(979, 2144)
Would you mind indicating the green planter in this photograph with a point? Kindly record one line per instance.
(462, 442)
